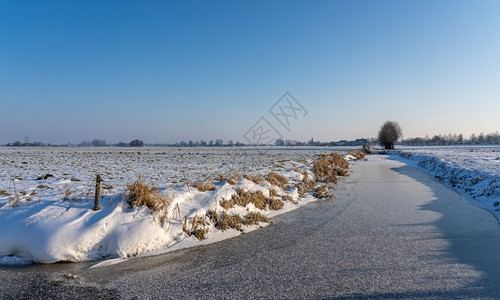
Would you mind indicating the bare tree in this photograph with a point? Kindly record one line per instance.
(389, 133)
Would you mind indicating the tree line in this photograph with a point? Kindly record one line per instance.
(454, 139)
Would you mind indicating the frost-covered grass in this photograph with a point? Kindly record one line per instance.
(204, 195)
(472, 170)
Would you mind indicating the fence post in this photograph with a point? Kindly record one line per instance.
(97, 192)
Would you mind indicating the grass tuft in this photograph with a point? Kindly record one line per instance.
(305, 185)
(255, 178)
(359, 154)
(225, 221)
(227, 204)
(205, 186)
(328, 167)
(321, 192)
(143, 194)
(277, 179)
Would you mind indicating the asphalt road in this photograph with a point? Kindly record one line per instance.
(391, 232)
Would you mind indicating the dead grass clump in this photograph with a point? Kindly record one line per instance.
(254, 218)
(277, 179)
(255, 178)
(289, 198)
(3, 193)
(143, 194)
(205, 186)
(274, 204)
(259, 200)
(273, 193)
(199, 233)
(225, 220)
(328, 167)
(227, 204)
(198, 229)
(233, 179)
(339, 161)
(242, 198)
(321, 192)
(359, 154)
(305, 185)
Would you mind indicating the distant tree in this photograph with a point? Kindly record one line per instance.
(389, 133)
(230, 143)
(279, 142)
(136, 143)
(98, 143)
(17, 144)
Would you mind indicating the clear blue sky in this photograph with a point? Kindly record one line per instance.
(169, 71)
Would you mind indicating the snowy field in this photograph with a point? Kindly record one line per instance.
(473, 171)
(46, 196)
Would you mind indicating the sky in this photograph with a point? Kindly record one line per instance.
(166, 71)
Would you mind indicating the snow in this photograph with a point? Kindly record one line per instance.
(54, 221)
(474, 171)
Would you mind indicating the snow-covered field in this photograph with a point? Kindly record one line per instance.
(46, 198)
(474, 171)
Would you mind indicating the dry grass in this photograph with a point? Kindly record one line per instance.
(67, 192)
(254, 218)
(359, 154)
(3, 193)
(198, 229)
(273, 192)
(305, 185)
(259, 200)
(242, 198)
(225, 221)
(227, 204)
(321, 192)
(205, 186)
(233, 179)
(255, 178)
(277, 179)
(289, 198)
(328, 167)
(274, 204)
(143, 194)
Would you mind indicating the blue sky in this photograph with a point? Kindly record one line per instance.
(169, 71)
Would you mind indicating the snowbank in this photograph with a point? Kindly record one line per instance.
(47, 228)
(475, 172)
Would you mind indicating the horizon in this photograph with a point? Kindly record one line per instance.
(170, 71)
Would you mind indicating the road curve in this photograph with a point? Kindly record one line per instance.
(391, 232)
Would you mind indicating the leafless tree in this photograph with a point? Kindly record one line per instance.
(389, 133)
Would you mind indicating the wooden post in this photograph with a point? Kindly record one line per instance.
(97, 192)
(184, 226)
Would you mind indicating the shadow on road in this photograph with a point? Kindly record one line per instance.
(472, 235)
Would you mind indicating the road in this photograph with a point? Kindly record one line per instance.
(390, 232)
